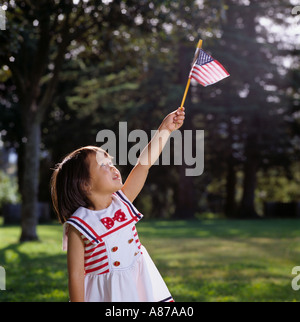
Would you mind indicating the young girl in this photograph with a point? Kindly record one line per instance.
(106, 261)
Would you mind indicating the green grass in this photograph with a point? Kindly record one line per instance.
(208, 260)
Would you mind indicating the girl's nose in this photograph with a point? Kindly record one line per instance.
(113, 168)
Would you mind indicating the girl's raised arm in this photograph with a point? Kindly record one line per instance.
(137, 177)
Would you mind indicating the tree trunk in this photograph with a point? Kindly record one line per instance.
(247, 208)
(185, 196)
(230, 204)
(30, 180)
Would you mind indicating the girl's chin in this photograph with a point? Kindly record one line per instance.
(119, 185)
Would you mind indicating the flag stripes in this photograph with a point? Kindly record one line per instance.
(206, 70)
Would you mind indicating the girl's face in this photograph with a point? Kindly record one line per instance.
(105, 177)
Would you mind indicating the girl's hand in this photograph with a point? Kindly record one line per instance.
(174, 120)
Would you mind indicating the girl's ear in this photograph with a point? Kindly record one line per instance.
(86, 187)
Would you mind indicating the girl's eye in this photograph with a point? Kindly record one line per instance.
(107, 163)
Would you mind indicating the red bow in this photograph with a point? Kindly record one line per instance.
(109, 222)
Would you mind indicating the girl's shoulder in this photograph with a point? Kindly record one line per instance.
(123, 199)
(85, 223)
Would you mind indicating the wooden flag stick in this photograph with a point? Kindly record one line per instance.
(199, 45)
(185, 92)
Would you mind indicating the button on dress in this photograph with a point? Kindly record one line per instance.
(117, 267)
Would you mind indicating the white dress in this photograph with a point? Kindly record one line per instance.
(117, 267)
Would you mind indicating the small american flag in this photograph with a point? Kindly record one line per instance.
(206, 70)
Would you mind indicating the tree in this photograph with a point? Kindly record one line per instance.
(39, 37)
(35, 67)
(252, 101)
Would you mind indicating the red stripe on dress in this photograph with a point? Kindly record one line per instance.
(96, 261)
(107, 271)
(96, 268)
(95, 254)
(92, 249)
(113, 230)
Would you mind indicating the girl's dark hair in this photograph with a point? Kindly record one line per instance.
(68, 180)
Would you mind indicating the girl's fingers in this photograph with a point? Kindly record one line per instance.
(178, 119)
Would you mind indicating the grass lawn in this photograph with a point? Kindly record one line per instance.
(201, 260)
